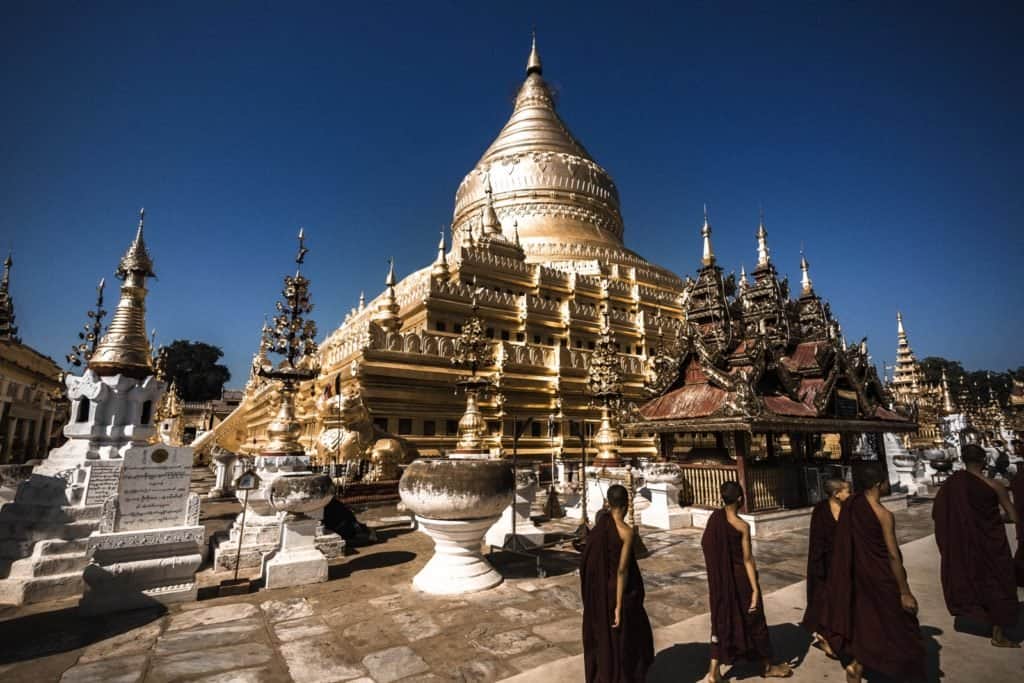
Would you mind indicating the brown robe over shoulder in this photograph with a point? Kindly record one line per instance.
(978, 579)
(863, 616)
(613, 655)
(1017, 489)
(735, 632)
(819, 556)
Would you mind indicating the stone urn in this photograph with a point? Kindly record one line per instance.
(455, 502)
(298, 561)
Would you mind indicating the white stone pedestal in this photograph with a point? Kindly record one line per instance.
(223, 486)
(457, 565)
(528, 533)
(664, 511)
(298, 562)
(598, 482)
(906, 478)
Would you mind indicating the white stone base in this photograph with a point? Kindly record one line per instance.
(298, 562)
(457, 565)
(664, 511)
(529, 535)
(598, 482)
(906, 477)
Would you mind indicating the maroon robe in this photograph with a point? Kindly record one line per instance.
(863, 616)
(978, 579)
(613, 655)
(819, 555)
(735, 632)
(1017, 488)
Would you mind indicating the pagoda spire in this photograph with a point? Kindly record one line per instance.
(8, 330)
(387, 311)
(533, 65)
(762, 244)
(806, 286)
(708, 258)
(905, 377)
(124, 349)
(490, 226)
(947, 398)
(900, 332)
(440, 268)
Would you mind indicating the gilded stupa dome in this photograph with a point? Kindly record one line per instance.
(543, 181)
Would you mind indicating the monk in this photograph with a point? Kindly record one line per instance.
(870, 614)
(824, 518)
(1017, 488)
(739, 629)
(978, 578)
(618, 645)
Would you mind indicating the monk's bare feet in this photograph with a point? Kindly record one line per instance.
(822, 644)
(1002, 641)
(783, 670)
(854, 672)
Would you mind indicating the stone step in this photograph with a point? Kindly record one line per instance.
(57, 546)
(48, 565)
(40, 589)
(48, 513)
(15, 549)
(21, 530)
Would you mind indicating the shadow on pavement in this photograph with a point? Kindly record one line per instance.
(358, 563)
(49, 633)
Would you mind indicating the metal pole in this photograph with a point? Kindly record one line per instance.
(515, 490)
(241, 532)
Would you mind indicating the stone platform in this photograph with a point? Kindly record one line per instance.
(367, 623)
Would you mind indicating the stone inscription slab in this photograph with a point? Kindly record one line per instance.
(102, 483)
(154, 488)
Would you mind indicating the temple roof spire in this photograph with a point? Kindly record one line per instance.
(125, 349)
(708, 258)
(762, 243)
(489, 223)
(440, 268)
(387, 311)
(533, 65)
(899, 325)
(806, 286)
(8, 330)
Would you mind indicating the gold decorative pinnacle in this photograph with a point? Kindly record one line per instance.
(124, 349)
(533, 65)
(708, 256)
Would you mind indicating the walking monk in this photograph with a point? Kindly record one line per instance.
(618, 645)
(824, 519)
(978, 579)
(871, 615)
(739, 629)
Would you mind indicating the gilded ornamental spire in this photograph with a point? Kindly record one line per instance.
(533, 65)
(490, 226)
(762, 244)
(124, 349)
(806, 286)
(440, 268)
(708, 258)
(387, 312)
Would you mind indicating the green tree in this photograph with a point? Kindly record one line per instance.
(193, 367)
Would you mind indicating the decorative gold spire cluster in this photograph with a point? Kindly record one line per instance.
(708, 258)
(490, 226)
(124, 349)
(8, 330)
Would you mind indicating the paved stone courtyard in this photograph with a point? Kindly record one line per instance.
(367, 624)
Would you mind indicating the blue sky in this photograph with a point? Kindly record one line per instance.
(885, 139)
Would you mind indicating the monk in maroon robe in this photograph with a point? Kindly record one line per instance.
(1017, 488)
(824, 519)
(871, 615)
(739, 629)
(978, 578)
(618, 645)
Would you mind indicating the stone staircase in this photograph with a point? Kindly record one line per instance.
(43, 550)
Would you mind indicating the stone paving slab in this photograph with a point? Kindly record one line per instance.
(367, 623)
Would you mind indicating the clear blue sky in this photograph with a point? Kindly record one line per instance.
(887, 140)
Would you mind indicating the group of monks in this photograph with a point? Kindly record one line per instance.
(860, 609)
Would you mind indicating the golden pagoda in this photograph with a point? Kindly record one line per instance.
(536, 230)
(925, 402)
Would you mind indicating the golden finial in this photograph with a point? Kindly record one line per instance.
(899, 325)
(805, 278)
(300, 257)
(390, 281)
(533, 65)
(515, 234)
(387, 311)
(762, 243)
(125, 349)
(440, 267)
(709, 254)
(489, 223)
(743, 277)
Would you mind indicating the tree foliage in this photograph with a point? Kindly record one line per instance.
(194, 369)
